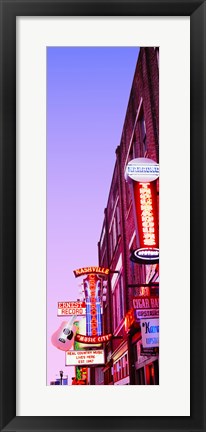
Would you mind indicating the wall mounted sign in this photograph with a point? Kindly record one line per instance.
(150, 332)
(142, 170)
(149, 351)
(146, 307)
(145, 256)
(89, 358)
(129, 319)
(146, 302)
(71, 308)
(92, 339)
(87, 270)
(142, 174)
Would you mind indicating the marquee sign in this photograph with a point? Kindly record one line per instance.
(92, 339)
(71, 308)
(87, 270)
(89, 358)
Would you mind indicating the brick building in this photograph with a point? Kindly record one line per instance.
(124, 363)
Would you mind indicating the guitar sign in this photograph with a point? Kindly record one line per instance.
(63, 338)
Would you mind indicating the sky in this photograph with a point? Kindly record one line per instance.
(88, 91)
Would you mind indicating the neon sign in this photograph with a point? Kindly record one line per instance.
(150, 332)
(146, 307)
(88, 270)
(129, 319)
(93, 339)
(145, 255)
(71, 308)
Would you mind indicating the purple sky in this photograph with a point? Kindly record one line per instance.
(87, 95)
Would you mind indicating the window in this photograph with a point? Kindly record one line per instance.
(120, 368)
(140, 376)
(142, 133)
(128, 194)
(118, 302)
(115, 228)
(106, 319)
(157, 55)
(152, 373)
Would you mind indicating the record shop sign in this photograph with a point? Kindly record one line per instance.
(142, 170)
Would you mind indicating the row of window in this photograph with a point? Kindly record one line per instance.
(121, 368)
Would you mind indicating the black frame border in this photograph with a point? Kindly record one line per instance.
(9, 10)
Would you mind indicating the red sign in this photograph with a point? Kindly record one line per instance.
(129, 319)
(146, 307)
(71, 308)
(92, 339)
(146, 302)
(79, 382)
(147, 214)
(87, 270)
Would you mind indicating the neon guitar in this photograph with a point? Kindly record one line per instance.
(63, 338)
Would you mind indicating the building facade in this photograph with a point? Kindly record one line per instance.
(126, 363)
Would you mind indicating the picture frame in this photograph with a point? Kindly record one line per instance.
(9, 11)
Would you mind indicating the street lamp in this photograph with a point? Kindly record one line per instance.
(61, 376)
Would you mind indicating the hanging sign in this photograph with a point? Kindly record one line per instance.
(87, 270)
(150, 332)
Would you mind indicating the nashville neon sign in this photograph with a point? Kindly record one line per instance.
(87, 270)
